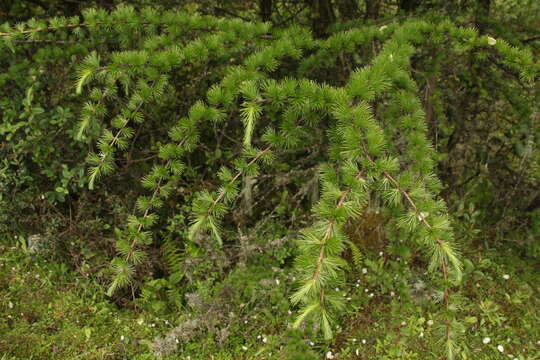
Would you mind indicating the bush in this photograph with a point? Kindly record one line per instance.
(193, 131)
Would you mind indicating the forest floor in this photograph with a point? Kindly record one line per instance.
(51, 312)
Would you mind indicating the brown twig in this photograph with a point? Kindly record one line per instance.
(422, 218)
(238, 174)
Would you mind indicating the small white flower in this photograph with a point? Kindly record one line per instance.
(357, 352)
(364, 341)
(506, 276)
(371, 295)
(177, 341)
(430, 322)
(311, 343)
(289, 312)
(122, 338)
(258, 336)
(403, 323)
(264, 340)
(366, 290)
(392, 293)
(277, 282)
(500, 348)
(244, 348)
(329, 355)
(381, 253)
(382, 28)
(357, 285)
(349, 299)
(10, 305)
(364, 271)
(486, 340)
(491, 41)
(354, 340)
(421, 334)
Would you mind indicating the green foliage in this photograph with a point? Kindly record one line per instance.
(68, 316)
(395, 318)
(182, 116)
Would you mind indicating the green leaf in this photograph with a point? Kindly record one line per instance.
(81, 78)
(305, 312)
(250, 113)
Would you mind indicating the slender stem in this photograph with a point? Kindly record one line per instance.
(327, 235)
(147, 210)
(117, 136)
(422, 218)
(67, 26)
(238, 174)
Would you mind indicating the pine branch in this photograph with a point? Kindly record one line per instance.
(422, 218)
(104, 156)
(145, 215)
(233, 180)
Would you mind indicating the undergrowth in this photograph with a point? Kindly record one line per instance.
(48, 311)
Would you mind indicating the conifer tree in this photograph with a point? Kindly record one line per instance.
(265, 92)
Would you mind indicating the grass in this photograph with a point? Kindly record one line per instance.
(51, 312)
